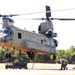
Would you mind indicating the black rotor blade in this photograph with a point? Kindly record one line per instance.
(11, 15)
(63, 19)
(48, 13)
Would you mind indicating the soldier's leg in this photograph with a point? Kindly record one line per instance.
(66, 67)
(61, 67)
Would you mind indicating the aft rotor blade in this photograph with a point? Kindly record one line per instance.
(63, 19)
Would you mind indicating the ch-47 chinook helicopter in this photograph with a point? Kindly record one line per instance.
(43, 42)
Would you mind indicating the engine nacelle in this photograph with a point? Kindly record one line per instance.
(55, 34)
(49, 34)
(30, 55)
(56, 42)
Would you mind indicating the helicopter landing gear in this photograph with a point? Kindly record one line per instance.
(31, 55)
(54, 57)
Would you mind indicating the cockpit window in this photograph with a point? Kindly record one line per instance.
(10, 33)
(6, 31)
(10, 20)
(1, 31)
(51, 42)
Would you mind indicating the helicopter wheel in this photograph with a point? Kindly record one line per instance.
(54, 57)
(31, 55)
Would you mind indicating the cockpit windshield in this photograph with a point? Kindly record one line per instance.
(6, 31)
(1, 31)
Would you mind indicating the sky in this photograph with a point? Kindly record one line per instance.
(65, 29)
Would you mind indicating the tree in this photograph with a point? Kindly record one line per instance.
(60, 54)
(70, 54)
(2, 55)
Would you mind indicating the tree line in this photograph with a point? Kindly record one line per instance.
(68, 54)
(17, 56)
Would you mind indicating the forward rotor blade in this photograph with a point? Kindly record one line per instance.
(48, 12)
(13, 15)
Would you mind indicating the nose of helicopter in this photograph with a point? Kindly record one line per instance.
(2, 35)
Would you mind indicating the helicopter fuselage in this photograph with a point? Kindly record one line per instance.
(27, 41)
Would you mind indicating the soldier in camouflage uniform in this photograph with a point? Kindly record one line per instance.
(64, 63)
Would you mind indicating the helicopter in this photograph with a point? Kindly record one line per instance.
(27, 42)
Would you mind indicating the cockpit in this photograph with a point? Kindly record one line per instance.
(6, 34)
(8, 31)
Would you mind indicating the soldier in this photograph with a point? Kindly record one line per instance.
(64, 63)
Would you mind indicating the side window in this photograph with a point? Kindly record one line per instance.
(27, 37)
(6, 31)
(34, 39)
(42, 40)
(19, 35)
(10, 33)
(51, 42)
